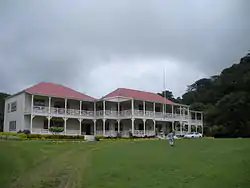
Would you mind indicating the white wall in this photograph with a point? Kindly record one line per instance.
(17, 115)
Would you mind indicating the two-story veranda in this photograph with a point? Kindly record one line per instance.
(144, 114)
(123, 110)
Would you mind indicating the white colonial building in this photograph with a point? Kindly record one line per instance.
(143, 113)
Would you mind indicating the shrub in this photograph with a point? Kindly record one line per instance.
(97, 138)
(55, 130)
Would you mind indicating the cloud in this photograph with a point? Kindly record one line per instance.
(96, 46)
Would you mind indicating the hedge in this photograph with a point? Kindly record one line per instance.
(97, 138)
(22, 136)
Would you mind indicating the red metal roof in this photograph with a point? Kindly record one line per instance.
(47, 88)
(139, 95)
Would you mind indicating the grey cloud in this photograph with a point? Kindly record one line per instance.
(63, 41)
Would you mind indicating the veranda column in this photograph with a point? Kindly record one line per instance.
(65, 113)
(118, 125)
(144, 108)
(103, 120)
(163, 109)
(94, 126)
(172, 111)
(133, 126)
(65, 124)
(49, 105)
(154, 126)
(154, 109)
(180, 120)
(49, 118)
(80, 108)
(104, 109)
(189, 118)
(132, 107)
(144, 127)
(80, 124)
(94, 109)
(31, 114)
(173, 126)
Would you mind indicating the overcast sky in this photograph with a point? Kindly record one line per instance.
(96, 46)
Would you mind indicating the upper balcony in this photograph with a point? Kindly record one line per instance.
(113, 114)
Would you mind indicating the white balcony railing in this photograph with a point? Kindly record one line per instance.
(111, 113)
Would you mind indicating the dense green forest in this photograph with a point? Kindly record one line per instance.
(225, 100)
(2, 101)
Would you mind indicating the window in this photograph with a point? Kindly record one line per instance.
(39, 102)
(140, 107)
(13, 107)
(12, 126)
(157, 109)
(8, 107)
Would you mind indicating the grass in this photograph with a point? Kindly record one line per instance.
(111, 164)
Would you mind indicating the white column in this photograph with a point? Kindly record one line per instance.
(80, 108)
(49, 105)
(163, 109)
(48, 122)
(118, 109)
(173, 126)
(154, 126)
(103, 120)
(118, 125)
(154, 109)
(133, 126)
(95, 109)
(94, 126)
(144, 108)
(31, 114)
(104, 108)
(172, 111)
(80, 124)
(132, 107)
(65, 124)
(144, 127)
(65, 106)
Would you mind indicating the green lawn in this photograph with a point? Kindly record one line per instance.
(126, 164)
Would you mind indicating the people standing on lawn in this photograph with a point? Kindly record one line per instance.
(170, 138)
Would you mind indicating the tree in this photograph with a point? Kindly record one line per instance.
(225, 100)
